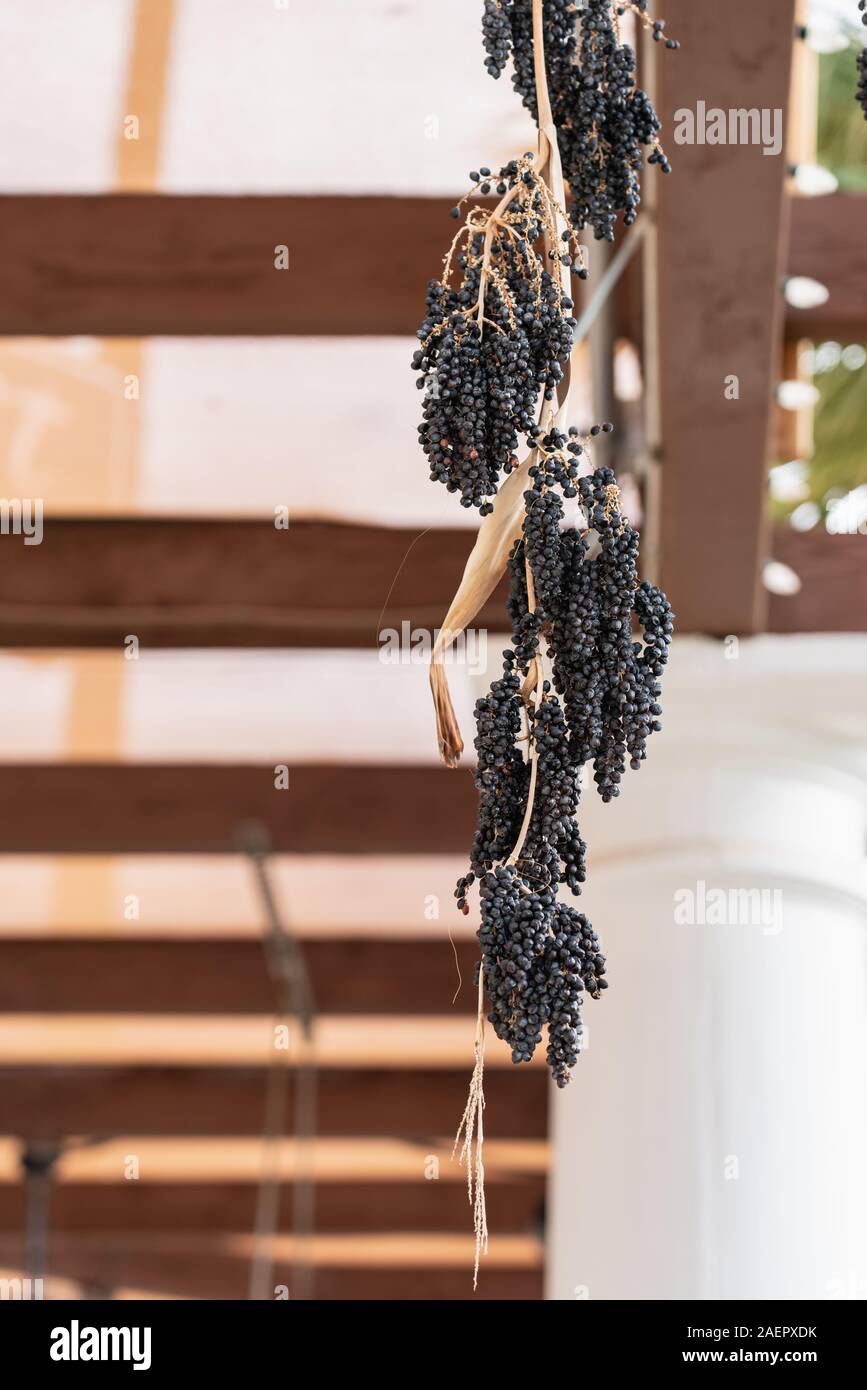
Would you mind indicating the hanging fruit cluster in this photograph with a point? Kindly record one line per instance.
(580, 683)
(861, 92)
(604, 120)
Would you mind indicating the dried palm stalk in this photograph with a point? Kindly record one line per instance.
(503, 525)
(484, 568)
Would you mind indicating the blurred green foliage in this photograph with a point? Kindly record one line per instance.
(842, 134)
(839, 461)
(840, 458)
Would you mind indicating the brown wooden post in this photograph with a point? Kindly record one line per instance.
(722, 248)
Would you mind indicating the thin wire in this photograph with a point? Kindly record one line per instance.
(457, 963)
(395, 579)
(294, 1000)
(37, 1165)
(651, 472)
(618, 264)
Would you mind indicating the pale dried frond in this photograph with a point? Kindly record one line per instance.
(484, 569)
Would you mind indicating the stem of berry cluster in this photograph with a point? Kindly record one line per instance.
(552, 415)
(489, 240)
(501, 529)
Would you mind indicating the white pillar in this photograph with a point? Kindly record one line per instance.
(713, 1141)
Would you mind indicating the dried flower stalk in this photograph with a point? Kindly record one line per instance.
(485, 566)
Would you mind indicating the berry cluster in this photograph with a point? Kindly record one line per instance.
(604, 119)
(580, 682)
(610, 683)
(497, 332)
(861, 92)
(539, 955)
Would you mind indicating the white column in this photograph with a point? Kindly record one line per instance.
(713, 1141)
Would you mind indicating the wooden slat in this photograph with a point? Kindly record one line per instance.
(60, 1100)
(349, 1159)
(827, 244)
(401, 1042)
(833, 574)
(513, 1205)
(166, 809)
(179, 583)
(125, 264)
(323, 1250)
(722, 255)
(201, 583)
(138, 265)
(202, 977)
(216, 1276)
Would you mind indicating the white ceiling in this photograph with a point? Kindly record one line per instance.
(62, 80)
(231, 706)
(225, 427)
(215, 895)
(337, 96)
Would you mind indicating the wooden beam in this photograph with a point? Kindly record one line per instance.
(129, 265)
(324, 1250)
(204, 977)
(514, 1205)
(827, 244)
(132, 265)
(403, 1042)
(150, 808)
(238, 1159)
(833, 575)
(204, 583)
(59, 1100)
(722, 248)
(197, 1274)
